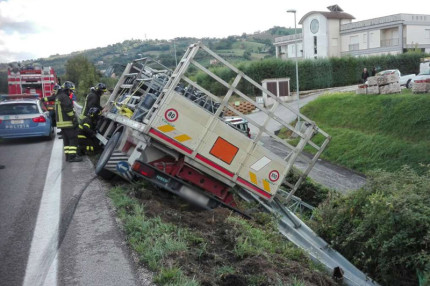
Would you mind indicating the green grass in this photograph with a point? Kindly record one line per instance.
(152, 239)
(174, 253)
(375, 131)
(252, 241)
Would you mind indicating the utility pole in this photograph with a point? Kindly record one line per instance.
(297, 66)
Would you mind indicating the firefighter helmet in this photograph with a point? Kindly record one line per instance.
(101, 87)
(56, 88)
(68, 85)
(94, 112)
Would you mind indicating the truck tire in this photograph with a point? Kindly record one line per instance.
(105, 156)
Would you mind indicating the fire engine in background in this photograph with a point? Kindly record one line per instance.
(32, 79)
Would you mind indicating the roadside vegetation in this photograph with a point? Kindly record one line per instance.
(383, 228)
(187, 246)
(375, 132)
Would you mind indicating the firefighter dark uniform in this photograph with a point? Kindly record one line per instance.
(93, 99)
(67, 121)
(87, 132)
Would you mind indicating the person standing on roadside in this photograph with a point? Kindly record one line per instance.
(67, 121)
(364, 75)
(373, 71)
(93, 99)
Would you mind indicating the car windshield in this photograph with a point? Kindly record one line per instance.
(18, 108)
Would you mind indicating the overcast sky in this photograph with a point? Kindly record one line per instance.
(32, 29)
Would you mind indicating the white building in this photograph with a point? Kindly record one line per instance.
(333, 34)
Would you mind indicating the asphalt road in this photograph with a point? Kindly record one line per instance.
(56, 225)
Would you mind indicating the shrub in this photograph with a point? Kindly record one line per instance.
(384, 228)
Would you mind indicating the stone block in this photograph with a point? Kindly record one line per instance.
(390, 88)
(420, 87)
(387, 79)
(361, 89)
(372, 81)
(374, 89)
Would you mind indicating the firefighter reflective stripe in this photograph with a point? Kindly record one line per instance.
(60, 120)
(80, 126)
(82, 137)
(90, 148)
(58, 110)
(87, 125)
(70, 113)
(66, 149)
(62, 124)
(73, 149)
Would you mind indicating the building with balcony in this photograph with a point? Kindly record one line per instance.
(333, 34)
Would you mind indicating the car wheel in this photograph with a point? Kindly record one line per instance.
(408, 84)
(105, 156)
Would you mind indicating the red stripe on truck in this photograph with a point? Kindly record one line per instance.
(254, 188)
(171, 141)
(212, 164)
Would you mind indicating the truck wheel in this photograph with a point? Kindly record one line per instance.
(105, 156)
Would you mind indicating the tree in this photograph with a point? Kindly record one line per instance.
(82, 73)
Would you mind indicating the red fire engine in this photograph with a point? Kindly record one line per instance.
(32, 80)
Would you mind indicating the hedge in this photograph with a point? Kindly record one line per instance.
(314, 74)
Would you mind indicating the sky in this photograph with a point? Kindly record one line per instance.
(31, 29)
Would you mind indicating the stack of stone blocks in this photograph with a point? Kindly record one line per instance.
(381, 84)
(422, 86)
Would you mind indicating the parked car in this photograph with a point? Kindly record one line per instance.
(421, 77)
(24, 116)
(404, 80)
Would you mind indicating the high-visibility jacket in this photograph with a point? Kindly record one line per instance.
(64, 113)
(87, 134)
(92, 100)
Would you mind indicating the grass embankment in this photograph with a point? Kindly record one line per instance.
(375, 131)
(185, 246)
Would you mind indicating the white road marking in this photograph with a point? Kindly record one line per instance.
(42, 261)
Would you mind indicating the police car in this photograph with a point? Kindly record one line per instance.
(23, 116)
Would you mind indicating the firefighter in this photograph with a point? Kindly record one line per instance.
(93, 99)
(67, 121)
(87, 131)
(52, 112)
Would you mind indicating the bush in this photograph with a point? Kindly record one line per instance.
(384, 228)
(320, 73)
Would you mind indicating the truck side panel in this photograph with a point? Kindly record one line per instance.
(184, 126)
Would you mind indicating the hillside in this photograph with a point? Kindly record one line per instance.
(111, 59)
(375, 132)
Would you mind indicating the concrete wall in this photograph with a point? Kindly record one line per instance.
(418, 35)
(308, 37)
(334, 41)
(292, 50)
